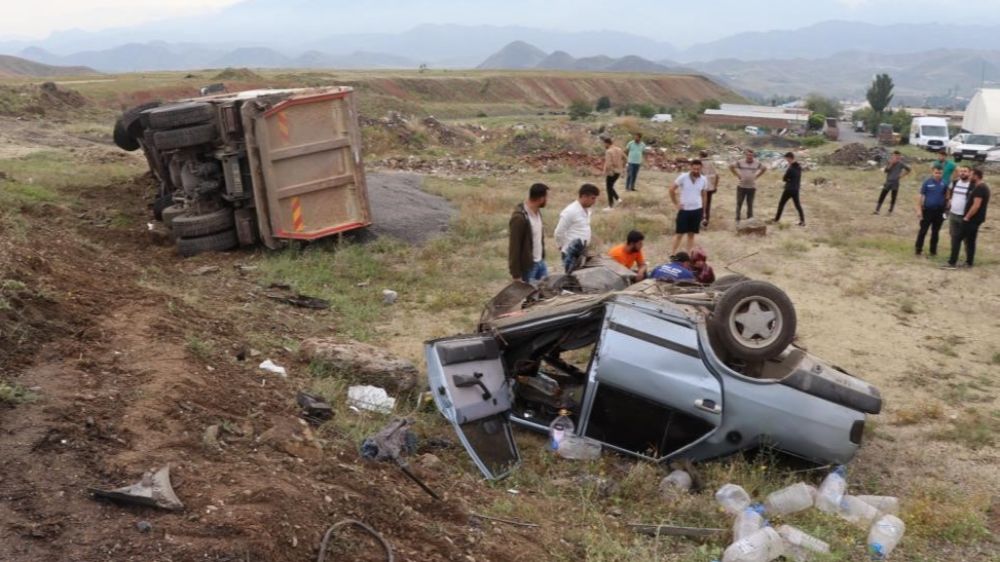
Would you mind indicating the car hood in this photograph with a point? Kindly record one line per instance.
(976, 146)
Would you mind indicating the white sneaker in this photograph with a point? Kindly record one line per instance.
(607, 209)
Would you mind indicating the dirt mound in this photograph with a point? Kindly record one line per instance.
(402, 210)
(238, 75)
(44, 99)
(447, 136)
(856, 154)
(527, 141)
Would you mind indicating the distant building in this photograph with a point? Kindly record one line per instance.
(757, 116)
(982, 115)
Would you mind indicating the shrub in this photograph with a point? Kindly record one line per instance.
(578, 109)
(603, 103)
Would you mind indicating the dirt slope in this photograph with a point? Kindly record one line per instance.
(14, 67)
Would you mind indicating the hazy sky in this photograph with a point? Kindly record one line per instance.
(679, 22)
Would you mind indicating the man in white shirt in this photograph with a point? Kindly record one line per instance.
(573, 230)
(958, 194)
(688, 195)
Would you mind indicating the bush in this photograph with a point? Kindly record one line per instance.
(826, 106)
(813, 141)
(603, 103)
(816, 121)
(710, 103)
(578, 109)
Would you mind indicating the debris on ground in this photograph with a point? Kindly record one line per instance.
(153, 490)
(676, 481)
(393, 442)
(211, 437)
(673, 531)
(144, 526)
(205, 270)
(389, 296)
(751, 227)
(448, 136)
(856, 154)
(371, 398)
(283, 293)
(402, 210)
(324, 544)
(362, 363)
(272, 367)
(292, 436)
(444, 165)
(314, 409)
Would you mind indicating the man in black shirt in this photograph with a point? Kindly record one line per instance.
(793, 181)
(975, 213)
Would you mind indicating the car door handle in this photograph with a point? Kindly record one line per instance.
(708, 405)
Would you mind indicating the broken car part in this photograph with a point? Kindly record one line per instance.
(154, 490)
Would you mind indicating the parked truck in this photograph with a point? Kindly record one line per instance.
(929, 132)
(260, 166)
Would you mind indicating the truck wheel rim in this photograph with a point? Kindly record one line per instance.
(755, 322)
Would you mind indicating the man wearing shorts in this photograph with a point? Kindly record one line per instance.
(688, 195)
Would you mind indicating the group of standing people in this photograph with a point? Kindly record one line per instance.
(618, 162)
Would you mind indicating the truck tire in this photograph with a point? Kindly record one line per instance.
(131, 118)
(183, 138)
(191, 226)
(170, 213)
(218, 242)
(179, 115)
(160, 204)
(754, 321)
(123, 139)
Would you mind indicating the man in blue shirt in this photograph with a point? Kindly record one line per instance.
(930, 210)
(679, 269)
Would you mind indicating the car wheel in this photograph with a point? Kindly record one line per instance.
(179, 115)
(123, 139)
(218, 242)
(132, 118)
(183, 138)
(754, 320)
(727, 281)
(201, 225)
(170, 214)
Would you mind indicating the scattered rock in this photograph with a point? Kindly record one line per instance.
(428, 460)
(363, 363)
(389, 296)
(205, 270)
(211, 437)
(751, 227)
(144, 526)
(291, 436)
(371, 398)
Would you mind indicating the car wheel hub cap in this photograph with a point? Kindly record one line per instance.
(755, 322)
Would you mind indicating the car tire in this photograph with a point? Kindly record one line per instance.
(218, 242)
(180, 115)
(191, 226)
(170, 214)
(183, 138)
(132, 118)
(123, 139)
(727, 281)
(754, 320)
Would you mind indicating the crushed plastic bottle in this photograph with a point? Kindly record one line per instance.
(800, 545)
(748, 522)
(559, 429)
(832, 490)
(579, 448)
(732, 498)
(791, 499)
(884, 504)
(884, 535)
(856, 511)
(763, 546)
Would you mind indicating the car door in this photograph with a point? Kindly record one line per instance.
(471, 390)
(653, 394)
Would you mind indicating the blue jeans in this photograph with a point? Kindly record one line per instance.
(571, 255)
(630, 176)
(537, 272)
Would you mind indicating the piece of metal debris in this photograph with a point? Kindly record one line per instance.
(314, 409)
(391, 443)
(673, 531)
(154, 490)
(301, 301)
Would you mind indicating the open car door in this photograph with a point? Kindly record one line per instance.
(470, 388)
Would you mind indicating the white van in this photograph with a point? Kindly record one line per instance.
(662, 118)
(929, 132)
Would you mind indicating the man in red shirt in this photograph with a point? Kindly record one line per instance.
(629, 254)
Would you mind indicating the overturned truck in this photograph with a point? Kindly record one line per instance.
(261, 166)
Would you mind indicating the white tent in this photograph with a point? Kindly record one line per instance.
(982, 115)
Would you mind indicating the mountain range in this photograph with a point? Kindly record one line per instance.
(520, 55)
(16, 67)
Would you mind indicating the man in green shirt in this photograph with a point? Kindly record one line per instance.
(635, 149)
(947, 166)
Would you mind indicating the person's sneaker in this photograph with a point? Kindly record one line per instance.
(802, 223)
(874, 212)
(606, 209)
(949, 266)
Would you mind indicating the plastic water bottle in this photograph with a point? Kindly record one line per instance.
(559, 429)
(884, 535)
(832, 490)
(884, 504)
(763, 546)
(856, 511)
(579, 448)
(676, 481)
(748, 522)
(732, 498)
(790, 499)
(799, 544)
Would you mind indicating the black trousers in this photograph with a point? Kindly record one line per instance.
(609, 183)
(886, 189)
(792, 194)
(708, 207)
(967, 233)
(745, 194)
(930, 219)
